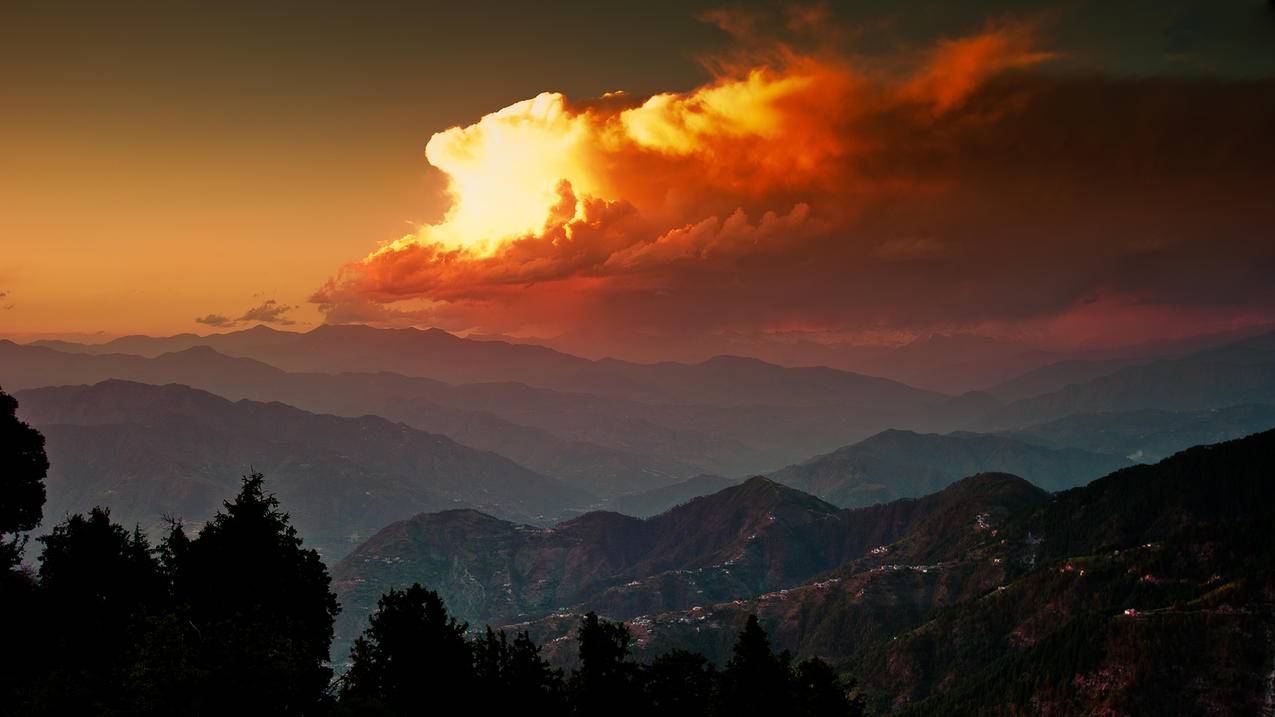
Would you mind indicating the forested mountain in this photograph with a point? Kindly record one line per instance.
(1149, 591)
(155, 451)
(742, 541)
(904, 464)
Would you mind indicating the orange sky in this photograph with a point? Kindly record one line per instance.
(768, 174)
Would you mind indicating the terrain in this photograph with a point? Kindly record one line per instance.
(153, 452)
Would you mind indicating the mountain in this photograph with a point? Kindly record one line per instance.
(436, 354)
(745, 540)
(607, 445)
(1149, 435)
(1239, 373)
(658, 500)
(1148, 591)
(421, 403)
(900, 464)
(1055, 376)
(152, 451)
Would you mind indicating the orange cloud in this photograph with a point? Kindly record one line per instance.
(813, 191)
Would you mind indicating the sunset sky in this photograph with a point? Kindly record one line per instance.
(1064, 173)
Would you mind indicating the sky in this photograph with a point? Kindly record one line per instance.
(627, 175)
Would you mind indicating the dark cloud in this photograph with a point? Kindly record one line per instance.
(269, 311)
(217, 320)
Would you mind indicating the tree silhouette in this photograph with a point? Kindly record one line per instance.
(681, 683)
(532, 682)
(821, 692)
(756, 680)
(99, 583)
(260, 605)
(412, 654)
(23, 467)
(606, 681)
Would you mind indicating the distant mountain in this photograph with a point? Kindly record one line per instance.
(658, 500)
(608, 445)
(429, 405)
(902, 464)
(1238, 373)
(436, 354)
(1150, 435)
(747, 539)
(1057, 375)
(1147, 591)
(149, 451)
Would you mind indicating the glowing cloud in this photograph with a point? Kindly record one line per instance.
(750, 202)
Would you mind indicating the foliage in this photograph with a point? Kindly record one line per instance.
(23, 466)
(238, 619)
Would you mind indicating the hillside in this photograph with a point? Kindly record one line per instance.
(150, 451)
(739, 542)
(903, 464)
(1148, 591)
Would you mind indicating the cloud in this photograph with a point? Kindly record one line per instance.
(815, 192)
(215, 320)
(269, 312)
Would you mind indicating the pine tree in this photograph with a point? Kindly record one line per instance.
(23, 466)
(99, 584)
(756, 680)
(260, 604)
(606, 681)
(412, 654)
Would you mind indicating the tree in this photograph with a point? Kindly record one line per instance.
(99, 584)
(23, 467)
(606, 681)
(756, 680)
(411, 655)
(821, 692)
(532, 682)
(260, 605)
(681, 683)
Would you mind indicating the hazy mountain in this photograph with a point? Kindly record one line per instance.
(658, 500)
(1055, 376)
(724, 380)
(900, 464)
(605, 444)
(1238, 373)
(418, 402)
(1150, 435)
(747, 539)
(1024, 610)
(149, 451)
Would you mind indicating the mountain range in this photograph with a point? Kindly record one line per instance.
(153, 451)
(904, 464)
